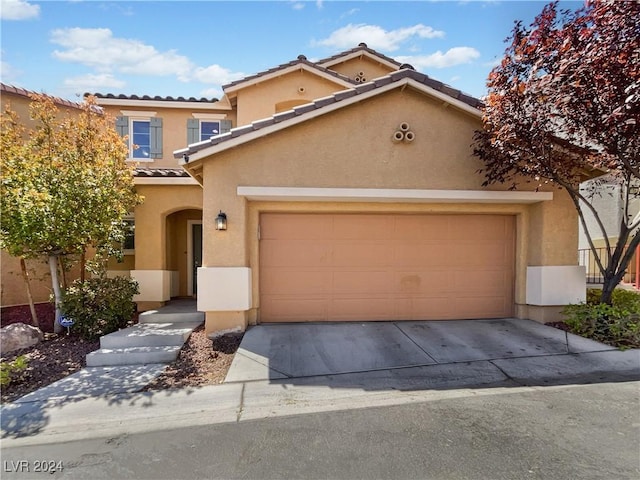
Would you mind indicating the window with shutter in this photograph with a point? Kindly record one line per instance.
(199, 130)
(144, 136)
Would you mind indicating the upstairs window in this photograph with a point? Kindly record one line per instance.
(202, 129)
(144, 136)
(141, 139)
(208, 129)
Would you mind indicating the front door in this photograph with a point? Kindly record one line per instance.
(196, 249)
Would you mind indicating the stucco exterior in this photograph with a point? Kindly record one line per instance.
(354, 133)
(352, 147)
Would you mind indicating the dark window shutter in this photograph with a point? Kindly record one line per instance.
(122, 126)
(155, 131)
(193, 130)
(225, 126)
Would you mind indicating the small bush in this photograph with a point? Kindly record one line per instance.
(617, 324)
(12, 371)
(99, 306)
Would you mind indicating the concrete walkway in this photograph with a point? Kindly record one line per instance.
(157, 338)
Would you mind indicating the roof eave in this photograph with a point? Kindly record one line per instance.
(232, 89)
(253, 133)
(392, 64)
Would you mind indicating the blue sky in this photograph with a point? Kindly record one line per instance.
(191, 48)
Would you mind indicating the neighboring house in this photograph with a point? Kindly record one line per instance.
(609, 199)
(13, 290)
(350, 192)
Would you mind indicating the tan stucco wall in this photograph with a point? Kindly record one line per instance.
(554, 232)
(259, 100)
(127, 262)
(160, 201)
(13, 287)
(352, 147)
(351, 68)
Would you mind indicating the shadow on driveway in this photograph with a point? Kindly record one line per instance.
(417, 355)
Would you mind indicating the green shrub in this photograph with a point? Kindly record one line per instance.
(12, 371)
(617, 324)
(619, 297)
(99, 306)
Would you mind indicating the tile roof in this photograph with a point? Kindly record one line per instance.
(27, 93)
(160, 172)
(156, 98)
(362, 47)
(357, 89)
(301, 60)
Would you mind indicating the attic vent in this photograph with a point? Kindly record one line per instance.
(360, 78)
(403, 133)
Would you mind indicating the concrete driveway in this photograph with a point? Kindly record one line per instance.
(418, 354)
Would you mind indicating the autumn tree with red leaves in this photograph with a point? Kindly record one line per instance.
(563, 106)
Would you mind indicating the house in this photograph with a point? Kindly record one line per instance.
(610, 200)
(343, 189)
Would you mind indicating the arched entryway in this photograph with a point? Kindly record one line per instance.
(183, 250)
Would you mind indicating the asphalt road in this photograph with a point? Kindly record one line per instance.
(565, 432)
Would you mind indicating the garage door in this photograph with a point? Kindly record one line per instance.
(322, 267)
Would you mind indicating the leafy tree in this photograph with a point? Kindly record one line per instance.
(65, 185)
(564, 106)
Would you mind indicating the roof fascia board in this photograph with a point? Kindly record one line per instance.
(162, 104)
(387, 195)
(164, 181)
(285, 71)
(353, 55)
(322, 111)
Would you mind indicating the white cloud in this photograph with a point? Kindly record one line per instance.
(211, 93)
(453, 56)
(93, 82)
(493, 63)
(377, 37)
(298, 5)
(215, 74)
(18, 10)
(348, 13)
(8, 73)
(99, 49)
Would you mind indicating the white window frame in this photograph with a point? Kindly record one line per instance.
(137, 116)
(132, 120)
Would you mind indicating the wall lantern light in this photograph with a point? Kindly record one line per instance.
(221, 221)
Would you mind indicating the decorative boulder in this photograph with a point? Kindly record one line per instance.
(19, 335)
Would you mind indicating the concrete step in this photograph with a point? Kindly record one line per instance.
(150, 335)
(132, 356)
(170, 316)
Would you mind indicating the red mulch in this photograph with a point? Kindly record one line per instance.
(560, 326)
(201, 362)
(46, 313)
(48, 361)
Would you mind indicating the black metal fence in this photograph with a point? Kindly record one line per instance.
(588, 260)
